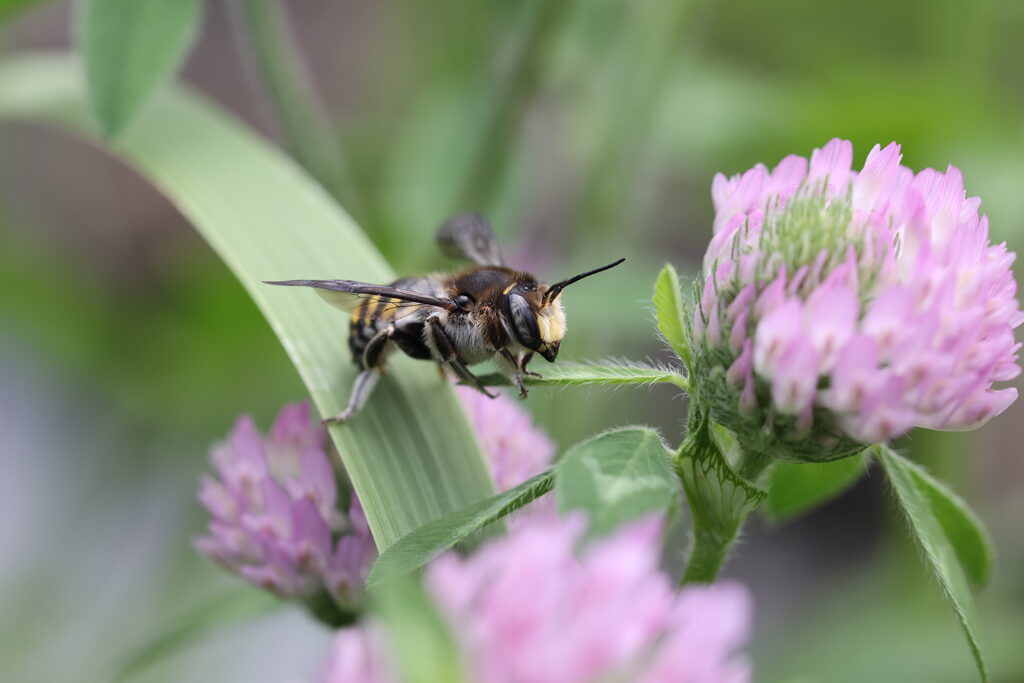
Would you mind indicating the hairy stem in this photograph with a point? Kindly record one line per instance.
(710, 547)
(707, 555)
(271, 56)
(720, 496)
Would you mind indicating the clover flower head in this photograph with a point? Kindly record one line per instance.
(274, 515)
(531, 608)
(852, 306)
(273, 512)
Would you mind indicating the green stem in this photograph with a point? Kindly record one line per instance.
(269, 51)
(326, 610)
(711, 548)
(720, 497)
(707, 555)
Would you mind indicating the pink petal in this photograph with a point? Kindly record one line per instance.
(874, 185)
(854, 375)
(795, 378)
(832, 163)
(831, 315)
(775, 333)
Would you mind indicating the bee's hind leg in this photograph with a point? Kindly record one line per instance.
(361, 390)
(373, 368)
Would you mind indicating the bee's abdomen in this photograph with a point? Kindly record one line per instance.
(379, 313)
(359, 336)
(368, 319)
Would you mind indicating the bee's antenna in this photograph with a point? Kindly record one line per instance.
(557, 288)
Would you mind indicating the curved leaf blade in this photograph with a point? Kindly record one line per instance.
(797, 488)
(410, 454)
(929, 532)
(418, 547)
(130, 48)
(615, 477)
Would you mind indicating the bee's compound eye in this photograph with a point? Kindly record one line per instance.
(464, 301)
(524, 321)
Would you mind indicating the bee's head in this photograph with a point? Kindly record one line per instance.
(536, 313)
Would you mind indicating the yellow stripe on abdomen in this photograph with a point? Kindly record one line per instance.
(370, 309)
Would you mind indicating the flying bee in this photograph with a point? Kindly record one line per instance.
(484, 312)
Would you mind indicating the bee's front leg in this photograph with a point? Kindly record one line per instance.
(522, 366)
(442, 343)
(468, 378)
(511, 366)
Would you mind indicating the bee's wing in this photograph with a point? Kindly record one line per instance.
(469, 236)
(346, 294)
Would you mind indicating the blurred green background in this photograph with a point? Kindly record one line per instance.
(586, 130)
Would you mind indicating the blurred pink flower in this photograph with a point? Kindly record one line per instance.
(274, 516)
(273, 507)
(359, 654)
(515, 448)
(872, 298)
(529, 608)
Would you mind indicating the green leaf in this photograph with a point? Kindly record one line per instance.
(597, 373)
(410, 454)
(796, 488)
(424, 648)
(915, 492)
(616, 477)
(668, 306)
(965, 531)
(193, 625)
(419, 546)
(130, 48)
(720, 500)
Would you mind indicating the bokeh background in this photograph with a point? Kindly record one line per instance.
(586, 130)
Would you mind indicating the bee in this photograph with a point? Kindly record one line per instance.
(485, 312)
